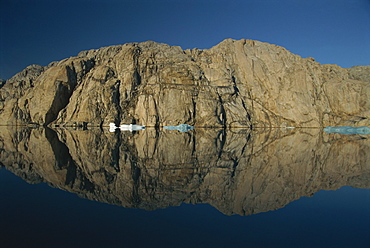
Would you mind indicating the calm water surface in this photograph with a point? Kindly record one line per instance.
(204, 188)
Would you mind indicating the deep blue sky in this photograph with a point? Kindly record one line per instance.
(39, 32)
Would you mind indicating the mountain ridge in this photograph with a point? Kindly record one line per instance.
(236, 83)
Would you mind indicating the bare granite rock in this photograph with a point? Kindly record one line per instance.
(360, 72)
(242, 83)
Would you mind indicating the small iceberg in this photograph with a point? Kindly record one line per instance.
(125, 127)
(181, 127)
(348, 130)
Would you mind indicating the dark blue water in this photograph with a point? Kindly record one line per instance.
(41, 216)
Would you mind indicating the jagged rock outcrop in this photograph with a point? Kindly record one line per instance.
(237, 171)
(242, 83)
(2, 82)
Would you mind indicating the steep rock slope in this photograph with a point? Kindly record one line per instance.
(242, 83)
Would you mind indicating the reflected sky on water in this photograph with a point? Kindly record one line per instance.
(164, 188)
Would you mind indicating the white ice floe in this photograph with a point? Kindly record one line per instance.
(125, 127)
(348, 130)
(181, 127)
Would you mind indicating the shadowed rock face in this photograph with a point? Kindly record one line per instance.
(237, 171)
(241, 83)
(360, 72)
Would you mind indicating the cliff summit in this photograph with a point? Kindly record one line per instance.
(237, 83)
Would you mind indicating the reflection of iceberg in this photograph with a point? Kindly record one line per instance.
(348, 130)
(181, 127)
(130, 127)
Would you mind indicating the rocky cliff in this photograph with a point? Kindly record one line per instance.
(238, 171)
(242, 83)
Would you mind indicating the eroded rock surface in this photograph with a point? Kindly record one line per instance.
(242, 83)
(236, 171)
(360, 72)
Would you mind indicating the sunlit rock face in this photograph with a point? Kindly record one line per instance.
(242, 83)
(238, 171)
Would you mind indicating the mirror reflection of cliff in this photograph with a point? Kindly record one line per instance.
(237, 171)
